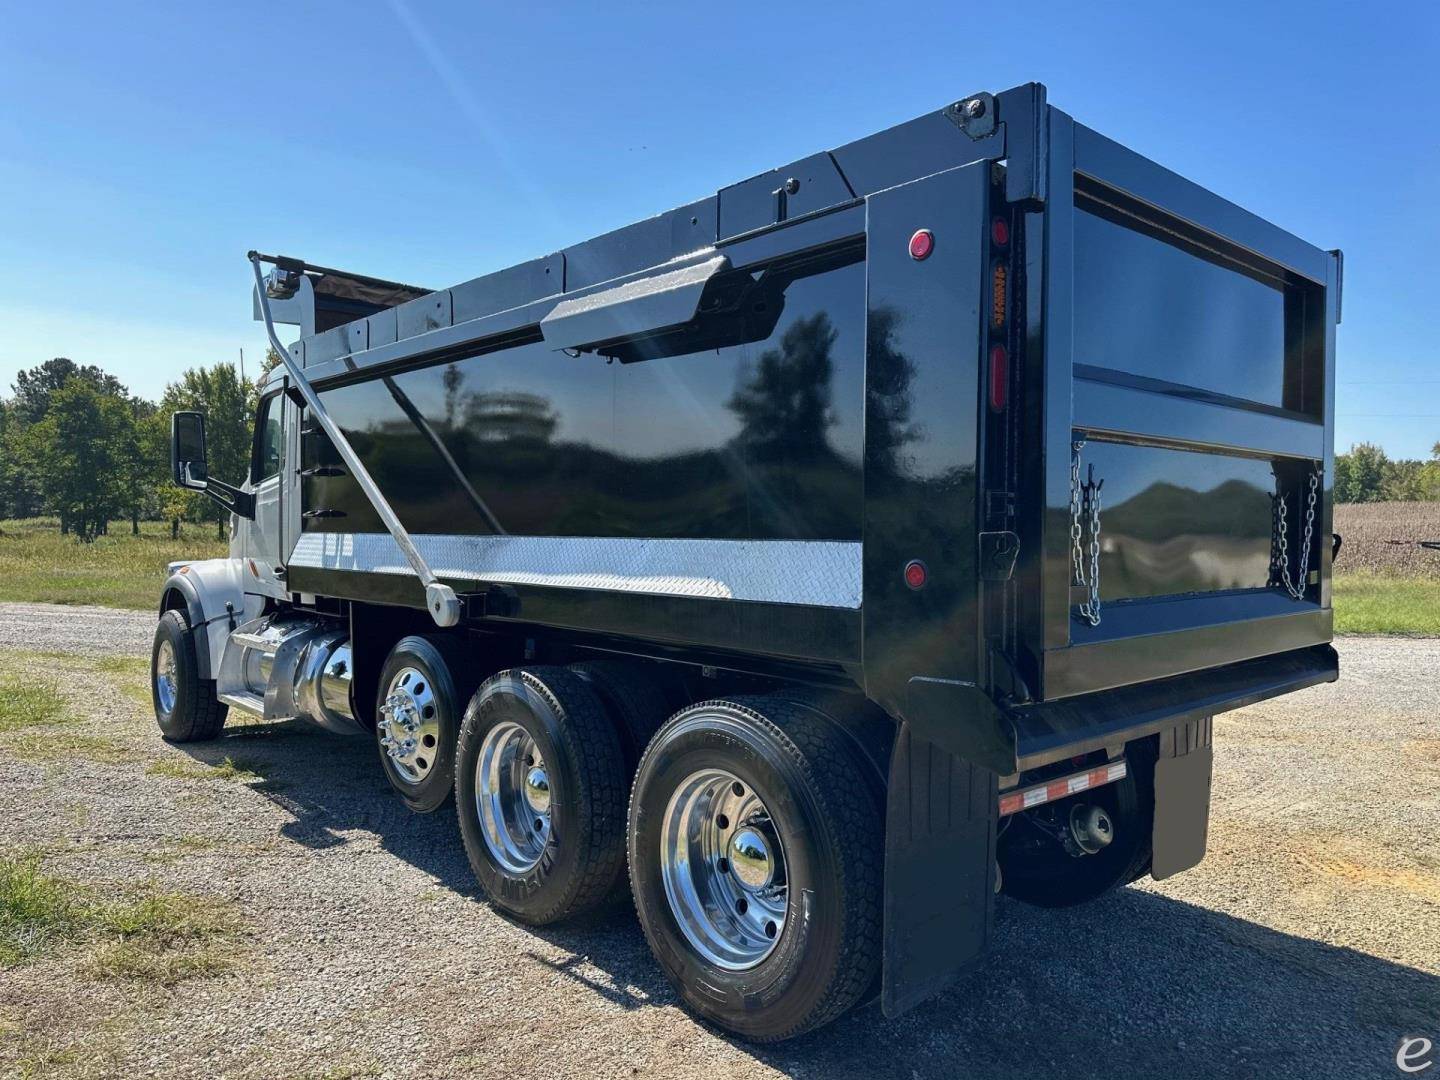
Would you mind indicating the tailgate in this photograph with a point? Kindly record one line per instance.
(1184, 394)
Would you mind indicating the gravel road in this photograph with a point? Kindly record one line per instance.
(89, 631)
(1306, 945)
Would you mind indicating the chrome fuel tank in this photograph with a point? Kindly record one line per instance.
(287, 665)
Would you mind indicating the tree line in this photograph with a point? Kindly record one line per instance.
(76, 444)
(1366, 474)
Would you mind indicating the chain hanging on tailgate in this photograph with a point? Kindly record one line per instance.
(1085, 512)
(1281, 542)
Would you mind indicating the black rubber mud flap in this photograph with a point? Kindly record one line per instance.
(939, 870)
(1182, 797)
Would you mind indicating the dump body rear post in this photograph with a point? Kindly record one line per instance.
(703, 560)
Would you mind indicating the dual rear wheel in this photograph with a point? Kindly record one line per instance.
(753, 832)
(540, 792)
(756, 853)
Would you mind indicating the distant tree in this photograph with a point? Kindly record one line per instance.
(12, 503)
(9, 428)
(82, 453)
(138, 473)
(1404, 481)
(1360, 474)
(34, 387)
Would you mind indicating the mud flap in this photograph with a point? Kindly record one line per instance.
(1182, 797)
(940, 824)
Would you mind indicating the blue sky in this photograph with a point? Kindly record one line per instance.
(145, 148)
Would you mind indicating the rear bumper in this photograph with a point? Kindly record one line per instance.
(1048, 731)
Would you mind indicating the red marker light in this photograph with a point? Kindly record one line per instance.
(999, 377)
(922, 243)
(915, 574)
(999, 232)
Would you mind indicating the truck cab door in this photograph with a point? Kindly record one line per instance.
(269, 457)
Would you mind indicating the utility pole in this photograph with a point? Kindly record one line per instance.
(242, 364)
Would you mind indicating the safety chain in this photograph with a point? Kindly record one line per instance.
(1296, 588)
(1085, 511)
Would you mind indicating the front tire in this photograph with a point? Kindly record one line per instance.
(756, 856)
(540, 791)
(186, 707)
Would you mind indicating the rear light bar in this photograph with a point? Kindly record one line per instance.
(1026, 798)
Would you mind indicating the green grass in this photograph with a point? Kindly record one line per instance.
(1376, 604)
(35, 724)
(38, 565)
(35, 911)
(185, 769)
(149, 935)
(27, 701)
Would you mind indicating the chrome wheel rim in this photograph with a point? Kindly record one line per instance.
(165, 677)
(513, 797)
(723, 867)
(410, 725)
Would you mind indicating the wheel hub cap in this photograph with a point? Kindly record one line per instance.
(165, 677)
(723, 867)
(513, 797)
(410, 725)
(750, 859)
(537, 790)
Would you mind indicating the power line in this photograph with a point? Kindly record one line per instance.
(1388, 382)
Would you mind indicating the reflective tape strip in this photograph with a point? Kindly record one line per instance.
(1014, 801)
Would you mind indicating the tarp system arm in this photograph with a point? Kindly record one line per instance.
(440, 599)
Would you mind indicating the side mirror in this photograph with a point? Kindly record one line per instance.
(187, 451)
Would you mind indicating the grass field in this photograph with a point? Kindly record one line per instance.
(1367, 603)
(118, 570)
(1385, 583)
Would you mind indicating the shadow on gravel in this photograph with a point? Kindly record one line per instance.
(1134, 984)
(331, 785)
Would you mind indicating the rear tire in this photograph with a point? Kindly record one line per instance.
(186, 707)
(422, 726)
(635, 700)
(796, 783)
(540, 788)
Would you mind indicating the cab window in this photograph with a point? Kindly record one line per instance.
(269, 438)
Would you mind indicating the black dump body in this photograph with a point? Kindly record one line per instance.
(740, 433)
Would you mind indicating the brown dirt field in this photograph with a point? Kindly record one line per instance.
(1383, 538)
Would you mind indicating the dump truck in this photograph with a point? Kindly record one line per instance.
(814, 562)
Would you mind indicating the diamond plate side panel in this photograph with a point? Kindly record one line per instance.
(818, 573)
